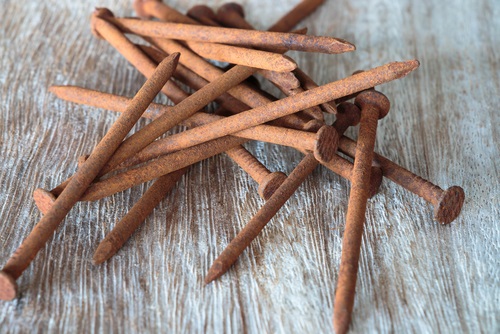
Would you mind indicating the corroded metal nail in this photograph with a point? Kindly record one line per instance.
(318, 143)
(244, 56)
(374, 106)
(447, 203)
(268, 181)
(240, 37)
(297, 14)
(122, 231)
(42, 231)
(252, 229)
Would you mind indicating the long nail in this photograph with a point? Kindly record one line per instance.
(44, 199)
(374, 106)
(447, 203)
(318, 142)
(83, 177)
(239, 37)
(122, 231)
(251, 230)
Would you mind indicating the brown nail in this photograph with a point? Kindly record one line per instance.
(374, 106)
(255, 117)
(45, 228)
(268, 181)
(122, 231)
(251, 230)
(239, 37)
(447, 203)
(297, 14)
(318, 142)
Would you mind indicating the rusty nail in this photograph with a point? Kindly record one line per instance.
(374, 106)
(240, 37)
(252, 229)
(23, 256)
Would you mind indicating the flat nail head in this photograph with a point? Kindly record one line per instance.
(99, 13)
(327, 141)
(8, 286)
(232, 7)
(374, 98)
(449, 205)
(44, 199)
(139, 8)
(270, 183)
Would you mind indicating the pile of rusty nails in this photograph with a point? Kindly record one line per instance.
(177, 47)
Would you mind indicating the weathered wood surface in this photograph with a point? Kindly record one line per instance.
(415, 275)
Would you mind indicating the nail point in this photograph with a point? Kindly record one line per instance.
(44, 199)
(270, 183)
(8, 286)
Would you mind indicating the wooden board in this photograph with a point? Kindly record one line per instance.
(415, 275)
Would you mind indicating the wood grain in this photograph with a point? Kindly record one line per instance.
(415, 275)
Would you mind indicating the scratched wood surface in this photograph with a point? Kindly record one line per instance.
(415, 275)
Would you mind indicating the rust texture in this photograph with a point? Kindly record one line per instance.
(244, 56)
(78, 184)
(373, 105)
(240, 37)
(122, 231)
